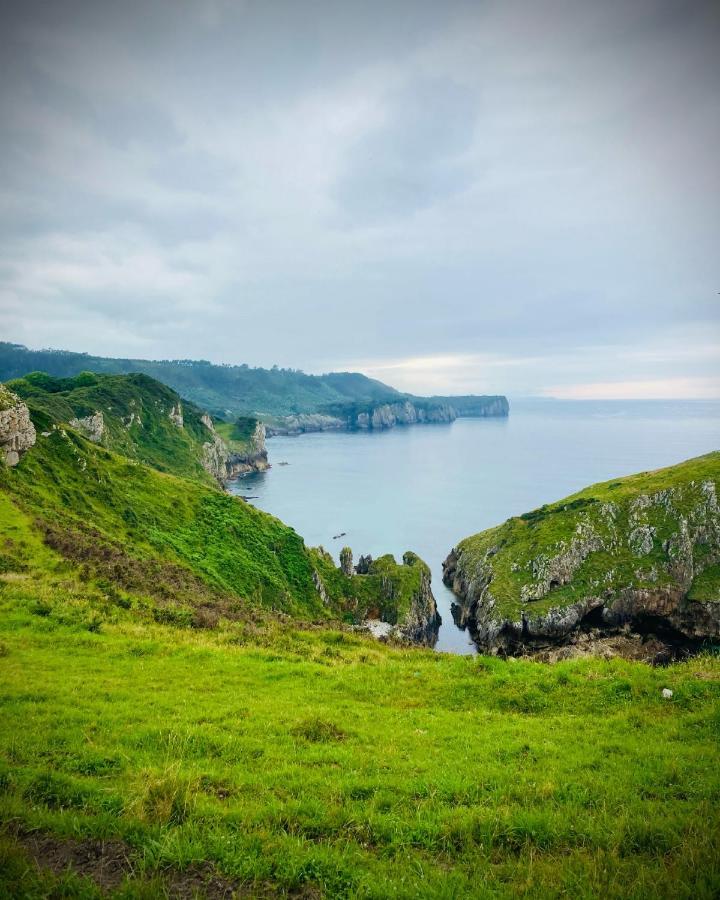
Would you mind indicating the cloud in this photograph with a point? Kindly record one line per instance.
(514, 194)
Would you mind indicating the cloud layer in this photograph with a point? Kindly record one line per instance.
(508, 196)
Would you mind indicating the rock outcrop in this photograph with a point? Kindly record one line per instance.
(176, 415)
(422, 622)
(388, 415)
(410, 411)
(225, 463)
(304, 423)
(346, 561)
(92, 427)
(17, 432)
(253, 459)
(407, 610)
(642, 552)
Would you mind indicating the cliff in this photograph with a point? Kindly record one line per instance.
(640, 553)
(380, 416)
(236, 448)
(124, 500)
(147, 421)
(388, 599)
(17, 432)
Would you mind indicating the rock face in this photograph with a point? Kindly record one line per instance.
(223, 463)
(405, 413)
(305, 423)
(346, 561)
(254, 459)
(414, 621)
(388, 415)
(422, 622)
(176, 415)
(17, 432)
(642, 552)
(92, 427)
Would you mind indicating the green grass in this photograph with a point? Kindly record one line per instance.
(171, 684)
(321, 762)
(175, 546)
(238, 434)
(136, 412)
(507, 552)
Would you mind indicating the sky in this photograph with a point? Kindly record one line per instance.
(500, 196)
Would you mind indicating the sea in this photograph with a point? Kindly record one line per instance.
(426, 487)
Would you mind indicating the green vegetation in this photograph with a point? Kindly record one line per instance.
(238, 435)
(316, 763)
(231, 391)
(177, 548)
(610, 536)
(226, 391)
(136, 417)
(182, 713)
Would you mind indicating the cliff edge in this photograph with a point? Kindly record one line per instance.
(639, 554)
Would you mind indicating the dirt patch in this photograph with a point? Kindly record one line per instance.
(107, 863)
(203, 881)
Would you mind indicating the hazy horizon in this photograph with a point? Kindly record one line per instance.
(515, 197)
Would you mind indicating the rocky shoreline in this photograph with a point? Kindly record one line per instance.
(388, 415)
(655, 548)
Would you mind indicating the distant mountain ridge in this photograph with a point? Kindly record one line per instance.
(271, 394)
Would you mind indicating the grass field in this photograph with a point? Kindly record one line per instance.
(158, 761)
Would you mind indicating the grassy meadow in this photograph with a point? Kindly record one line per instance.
(317, 763)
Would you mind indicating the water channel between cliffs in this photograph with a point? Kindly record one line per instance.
(425, 487)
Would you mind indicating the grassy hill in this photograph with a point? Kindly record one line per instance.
(227, 391)
(142, 419)
(644, 547)
(135, 513)
(152, 760)
(232, 391)
(182, 715)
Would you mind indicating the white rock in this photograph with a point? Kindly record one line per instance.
(667, 694)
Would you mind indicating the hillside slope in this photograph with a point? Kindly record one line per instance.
(159, 536)
(642, 551)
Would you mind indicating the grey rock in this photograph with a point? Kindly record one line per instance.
(176, 415)
(17, 432)
(92, 427)
(346, 561)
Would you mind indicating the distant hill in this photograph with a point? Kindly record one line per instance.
(224, 390)
(271, 394)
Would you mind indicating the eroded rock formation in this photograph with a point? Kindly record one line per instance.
(17, 432)
(650, 563)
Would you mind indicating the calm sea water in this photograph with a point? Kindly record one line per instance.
(426, 487)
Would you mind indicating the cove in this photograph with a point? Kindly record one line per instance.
(426, 487)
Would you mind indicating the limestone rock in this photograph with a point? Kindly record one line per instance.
(346, 561)
(653, 547)
(17, 432)
(640, 540)
(176, 415)
(215, 455)
(92, 427)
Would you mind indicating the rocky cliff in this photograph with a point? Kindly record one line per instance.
(17, 432)
(641, 552)
(388, 415)
(377, 417)
(236, 448)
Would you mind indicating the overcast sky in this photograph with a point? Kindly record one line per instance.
(517, 196)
